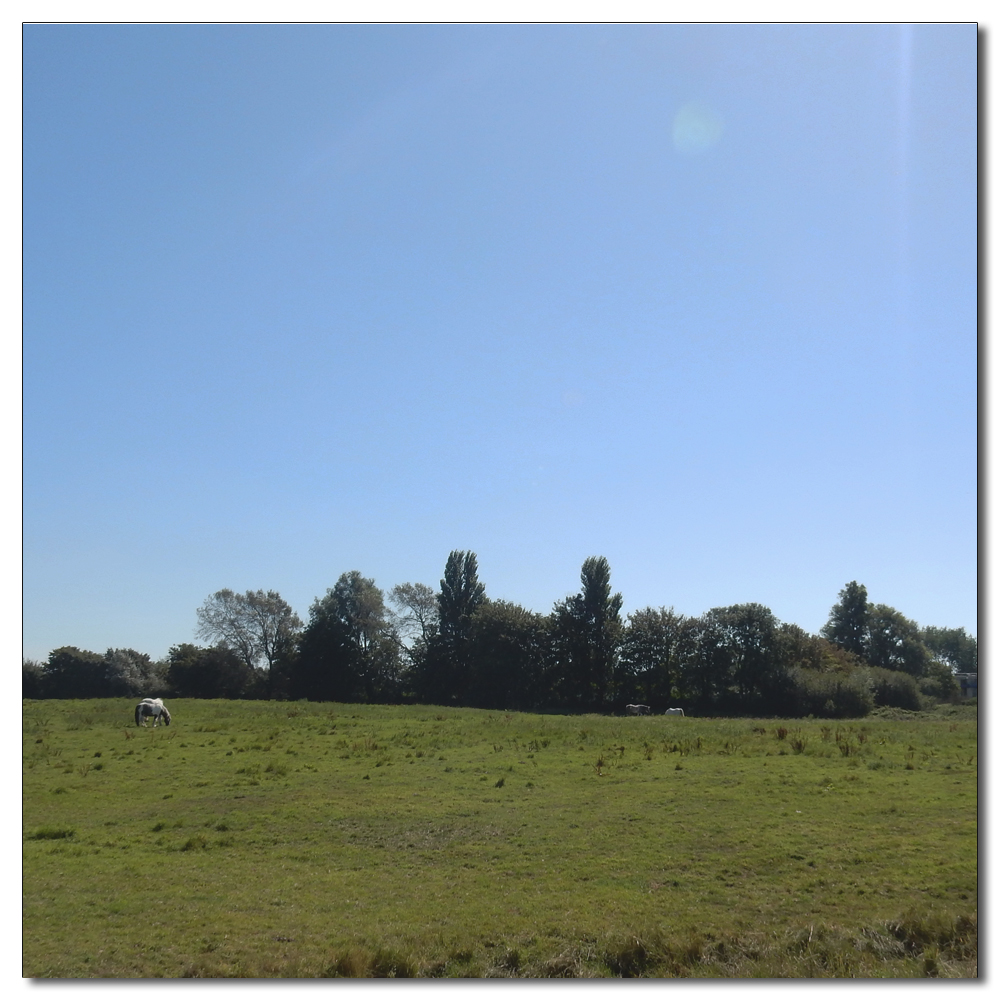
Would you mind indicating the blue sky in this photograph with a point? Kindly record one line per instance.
(300, 300)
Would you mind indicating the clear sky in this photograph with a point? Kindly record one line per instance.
(299, 300)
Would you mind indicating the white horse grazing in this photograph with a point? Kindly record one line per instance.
(151, 707)
(674, 711)
(637, 709)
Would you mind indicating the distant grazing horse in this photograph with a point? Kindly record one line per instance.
(637, 709)
(674, 711)
(151, 707)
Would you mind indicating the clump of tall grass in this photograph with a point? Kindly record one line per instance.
(365, 963)
(568, 964)
(507, 964)
(954, 935)
(930, 945)
(650, 952)
(51, 833)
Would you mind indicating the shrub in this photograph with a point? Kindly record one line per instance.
(32, 679)
(215, 672)
(829, 694)
(939, 683)
(894, 689)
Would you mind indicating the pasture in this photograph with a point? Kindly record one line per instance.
(293, 839)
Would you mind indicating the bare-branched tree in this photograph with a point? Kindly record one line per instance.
(415, 617)
(258, 625)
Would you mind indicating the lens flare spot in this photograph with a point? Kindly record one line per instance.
(696, 128)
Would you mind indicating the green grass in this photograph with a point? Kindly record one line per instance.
(294, 839)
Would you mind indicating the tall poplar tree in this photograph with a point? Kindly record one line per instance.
(586, 635)
(445, 675)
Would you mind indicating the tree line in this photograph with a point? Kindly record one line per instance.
(457, 646)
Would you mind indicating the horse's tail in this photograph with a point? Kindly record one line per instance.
(138, 714)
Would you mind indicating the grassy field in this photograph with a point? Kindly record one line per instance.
(294, 839)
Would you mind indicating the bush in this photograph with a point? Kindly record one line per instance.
(32, 679)
(829, 695)
(75, 673)
(894, 689)
(214, 672)
(79, 673)
(939, 683)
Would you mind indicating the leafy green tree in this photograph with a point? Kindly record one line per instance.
(648, 664)
(751, 633)
(215, 672)
(131, 674)
(461, 594)
(894, 642)
(348, 651)
(953, 646)
(509, 656)
(888, 640)
(276, 684)
(848, 622)
(75, 673)
(445, 675)
(797, 648)
(258, 625)
(939, 682)
(705, 662)
(738, 659)
(586, 629)
(33, 679)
